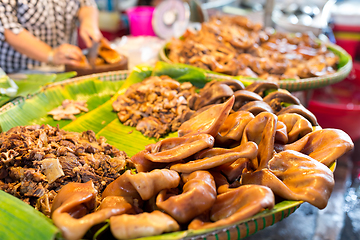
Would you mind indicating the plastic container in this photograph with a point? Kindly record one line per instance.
(140, 20)
(338, 105)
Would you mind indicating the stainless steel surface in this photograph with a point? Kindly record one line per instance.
(269, 7)
(93, 53)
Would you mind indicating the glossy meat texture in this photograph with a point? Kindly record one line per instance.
(198, 196)
(324, 145)
(121, 187)
(275, 99)
(301, 110)
(256, 107)
(231, 130)
(71, 210)
(261, 130)
(246, 150)
(244, 96)
(295, 176)
(261, 87)
(149, 184)
(296, 125)
(116, 202)
(233, 170)
(209, 121)
(141, 225)
(142, 164)
(222, 184)
(214, 94)
(281, 135)
(142, 184)
(236, 205)
(178, 148)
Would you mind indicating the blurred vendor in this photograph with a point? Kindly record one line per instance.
(35, 31)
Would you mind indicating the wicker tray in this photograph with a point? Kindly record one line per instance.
(345, 67)
(239, 230)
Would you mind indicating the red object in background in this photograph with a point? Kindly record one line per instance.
(348, 37)
(338, 105)
(351, 46)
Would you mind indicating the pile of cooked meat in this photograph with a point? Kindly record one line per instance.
(224, 167)
(235, 46)
(159, 105)
(36, 161)
(156, 106)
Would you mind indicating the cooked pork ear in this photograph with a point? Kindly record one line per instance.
(151, 183)
(244, 96)
(246, 150)
(178, 148)
(107, 53)
(236, 205)
(261, 130)
(324, 145)
(116, 202)
(256, 107)
(71, 210)
(199, 194)
(233, 127)
(281, 135)
(261, 86)
(301, 110)
(312, 182)
(297, 126)
(143, 164)
(142, 225)
(275, 99)
(208, 121)
(121, 187)
(144, 185)
(213, 95)
(233, 170)
(222, 184)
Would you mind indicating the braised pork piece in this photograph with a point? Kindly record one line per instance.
(235, 46)
(155, 106)
(36, 161)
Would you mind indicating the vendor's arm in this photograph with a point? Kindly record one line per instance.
(26, 43)
(89, 24)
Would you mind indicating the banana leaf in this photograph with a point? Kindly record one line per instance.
(21, 221)
(33, 83)
(197, 76)
(34, 110)
(103, 115)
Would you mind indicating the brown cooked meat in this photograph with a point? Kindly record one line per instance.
(156, 106)
(36, 161)
(234, 45)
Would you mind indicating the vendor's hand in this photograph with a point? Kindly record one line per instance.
(89, 32)
(67, 54)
